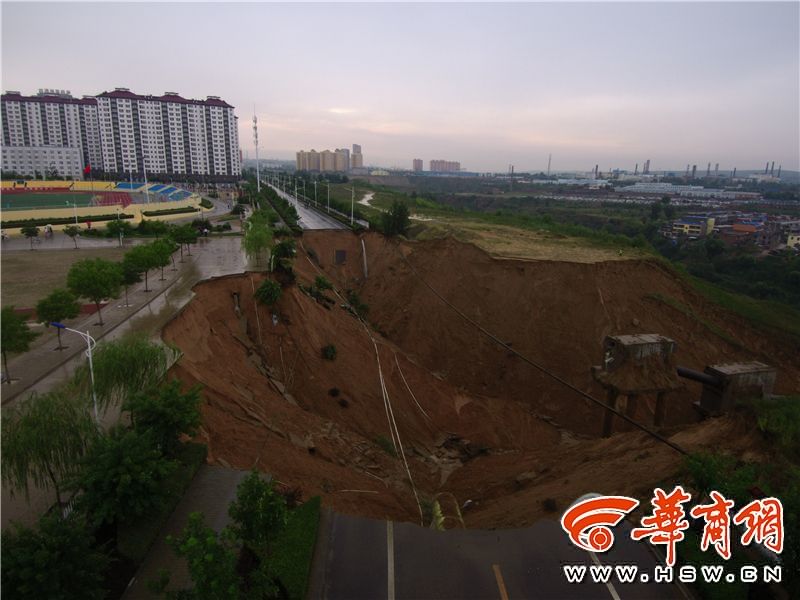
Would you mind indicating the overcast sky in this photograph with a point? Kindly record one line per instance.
(486, 84)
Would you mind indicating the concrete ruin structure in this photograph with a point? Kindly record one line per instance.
(634, 366)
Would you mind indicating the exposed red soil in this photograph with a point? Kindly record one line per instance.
(497, 431)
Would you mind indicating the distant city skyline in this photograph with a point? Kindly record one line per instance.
(597, 83)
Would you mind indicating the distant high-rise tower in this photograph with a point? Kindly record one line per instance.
(779, 171)
(417, 164)
(356, 159)
(636, 169)
(549, 160)
(708, 170)
(766, 168)
(716, 170)
(772, 169)
(687, 169)
(694, 171)
(734, 172)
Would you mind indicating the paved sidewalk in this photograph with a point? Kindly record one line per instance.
(211, 257)
(210, 492)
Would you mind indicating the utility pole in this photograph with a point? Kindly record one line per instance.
(255, 141)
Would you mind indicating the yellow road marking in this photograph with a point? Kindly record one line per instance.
(501, 585)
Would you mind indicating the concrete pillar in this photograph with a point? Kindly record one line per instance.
(608, 419)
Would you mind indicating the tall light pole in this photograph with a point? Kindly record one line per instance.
(90, 344)
(255, 141)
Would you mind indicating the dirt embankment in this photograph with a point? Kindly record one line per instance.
(473, 419)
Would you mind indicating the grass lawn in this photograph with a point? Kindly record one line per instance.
(295, 548)
(135, 539)
(30, 276)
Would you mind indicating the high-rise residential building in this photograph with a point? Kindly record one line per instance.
(445, 166)
(417, 164)
(356, 158)
(51, 131)
(338, 160)
(168, 135)
(342, 159)
(124, 134)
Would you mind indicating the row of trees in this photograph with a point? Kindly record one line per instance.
(107, 478)
(95, 280)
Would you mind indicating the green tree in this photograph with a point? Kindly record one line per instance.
(655, 211)
(43, 441)
(211, 559)
(258, 513)
(57, 306)
(124, 367)
(395, 221)
(123, 477)
(162, 252)
(58, 559)
(714, 247)
(142, 258)
(322, 284)
(268, 292)
(95, 279)
(31, 232)
(16, 336)
(184, 234)
(131, 275)
(166, 413)
(119, 229)
(73, 232)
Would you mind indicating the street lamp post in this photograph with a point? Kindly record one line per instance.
(90, 344)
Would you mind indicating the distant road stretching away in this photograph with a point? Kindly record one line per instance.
(310, 218)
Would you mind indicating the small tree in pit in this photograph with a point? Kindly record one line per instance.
(268, 292)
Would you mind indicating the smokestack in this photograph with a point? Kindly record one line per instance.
(636, 170)
(779, 171)
(694, 171)
(772, 168)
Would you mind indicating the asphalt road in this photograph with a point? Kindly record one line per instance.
(310, 218)
(366, 558)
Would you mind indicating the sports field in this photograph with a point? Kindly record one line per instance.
(45, 200)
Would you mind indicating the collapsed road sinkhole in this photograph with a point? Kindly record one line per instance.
(421, 405)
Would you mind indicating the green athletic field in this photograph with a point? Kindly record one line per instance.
(44, 200)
